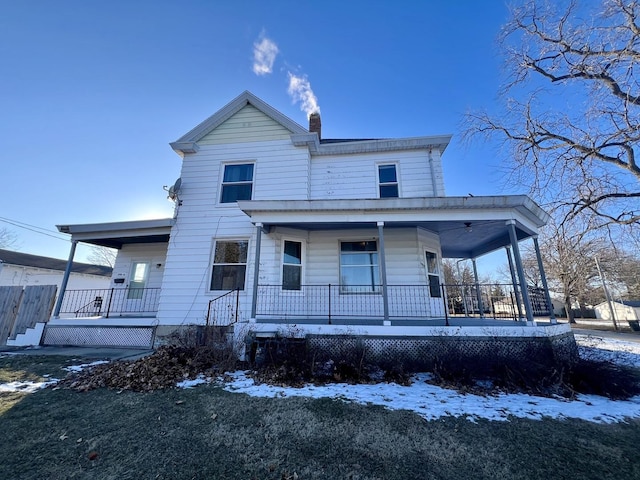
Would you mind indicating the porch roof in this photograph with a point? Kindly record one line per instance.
(117, 234)
(468, 226)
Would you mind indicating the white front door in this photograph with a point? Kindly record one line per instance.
(137, 284)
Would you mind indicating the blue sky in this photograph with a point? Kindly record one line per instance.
(92, 92)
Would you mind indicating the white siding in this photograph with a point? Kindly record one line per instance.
(154, 253)
(356, 176)
(247, 125)
(20, 275)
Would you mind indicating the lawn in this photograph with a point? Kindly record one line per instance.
(207, 432)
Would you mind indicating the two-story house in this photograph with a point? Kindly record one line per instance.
(277, 226)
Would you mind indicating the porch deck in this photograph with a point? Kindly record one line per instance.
(398, 322)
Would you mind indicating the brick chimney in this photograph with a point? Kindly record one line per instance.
(315, 125)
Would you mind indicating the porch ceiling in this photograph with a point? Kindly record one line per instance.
(117, 234)
(444, 216)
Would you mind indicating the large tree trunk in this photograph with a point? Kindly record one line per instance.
(569, 310)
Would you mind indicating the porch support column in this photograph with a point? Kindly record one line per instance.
(65, 279)
(543, 277)
(383, 273)
(514, 282)
(511, 225)
(256, 271)
(478, 293)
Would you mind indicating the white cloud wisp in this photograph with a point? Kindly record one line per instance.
(265, 51)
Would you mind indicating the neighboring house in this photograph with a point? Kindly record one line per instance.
(622, 309)
(23, 269)
(276, 226)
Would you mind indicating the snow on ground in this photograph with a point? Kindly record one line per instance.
(432, 402)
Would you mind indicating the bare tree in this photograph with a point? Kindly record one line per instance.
(572, 106)
(8, 239)
(102, 256)
(569, 249)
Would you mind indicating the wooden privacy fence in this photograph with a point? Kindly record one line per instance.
(21, 309)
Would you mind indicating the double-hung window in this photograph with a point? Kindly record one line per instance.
(387, 181)
(359, 269)
(229, 265)
(237, 182)
(292, 265)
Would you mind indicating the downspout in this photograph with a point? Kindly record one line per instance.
(256, 272)
(383, 272)
(434, 183)
(65, 279)
(511, 225)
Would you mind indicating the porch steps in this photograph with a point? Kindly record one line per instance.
(31, 336)
(99, 336)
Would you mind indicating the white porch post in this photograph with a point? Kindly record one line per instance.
(514, 282)
(256, 272)
(478, 293)
(511, 225)
(543, 277)
(65, 279)
(383, 273)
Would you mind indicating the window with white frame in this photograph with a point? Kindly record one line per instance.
(237, 182)
(387, 181)
(359, 269)
(292, 265)
(229, 265)
(433, 275)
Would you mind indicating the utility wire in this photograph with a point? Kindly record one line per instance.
(32, 228)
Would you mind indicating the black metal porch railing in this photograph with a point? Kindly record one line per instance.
(224, 309)
(404, 301)
(110, 302)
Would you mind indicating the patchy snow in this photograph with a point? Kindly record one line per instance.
(78, 368)
(432, 402)
(26, 386)
(594, 347)
(199, 380)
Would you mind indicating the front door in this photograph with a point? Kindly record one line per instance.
(137, 284)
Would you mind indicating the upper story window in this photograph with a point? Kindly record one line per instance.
(237, 183)
(387, 181)
(229, 265)
(359, 271)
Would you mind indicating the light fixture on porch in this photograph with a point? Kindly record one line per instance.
(467, 227)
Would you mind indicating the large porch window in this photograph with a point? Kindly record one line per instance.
(229, 265)
(359, 268)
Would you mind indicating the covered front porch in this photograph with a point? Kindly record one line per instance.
(465, 228)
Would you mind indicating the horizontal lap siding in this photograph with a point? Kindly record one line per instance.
(355, 176)
(154, 253)
(247, 125)
(281, 172)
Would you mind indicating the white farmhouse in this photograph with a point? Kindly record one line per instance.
(276, 226)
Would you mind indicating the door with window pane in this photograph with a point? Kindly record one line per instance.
(433, 280)
(137, 284)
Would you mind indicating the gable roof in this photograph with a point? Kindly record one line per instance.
(27, 260)
(631, 303)
(188, 142)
